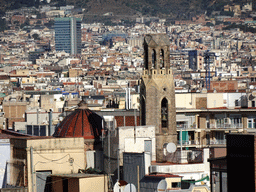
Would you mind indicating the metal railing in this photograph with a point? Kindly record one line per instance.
(192, 156)
(183, 126)
(216, 142)
(188, 142)
(226, 126)
(25, 189)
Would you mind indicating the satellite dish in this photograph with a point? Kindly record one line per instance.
(130, 188)
(162, 186)
(171, 147)
(117, 187)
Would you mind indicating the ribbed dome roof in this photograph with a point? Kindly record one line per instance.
(81, 123)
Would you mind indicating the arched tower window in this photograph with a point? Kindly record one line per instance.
(143, 112)
(146, 57)
(153, 59)
(161, 59)
(164, 113)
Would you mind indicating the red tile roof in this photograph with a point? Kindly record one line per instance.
(7, 134)
(81, 123)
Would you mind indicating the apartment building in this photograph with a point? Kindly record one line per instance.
(204, 119)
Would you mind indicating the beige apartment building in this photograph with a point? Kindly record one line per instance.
(14, 109)
(203, 119)
(36, 158)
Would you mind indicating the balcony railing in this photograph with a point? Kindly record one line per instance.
(226, 126)
(190, 142)
(183, 126)
(191, 156)
(216, 142)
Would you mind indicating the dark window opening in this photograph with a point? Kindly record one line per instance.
(164, 113)
(146, 58)
(65, 184)
(176, 185)
(36, 130)
(143, 112)
(161, 59)
(153, 59)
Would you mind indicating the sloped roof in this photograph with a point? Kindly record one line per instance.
(157, 40)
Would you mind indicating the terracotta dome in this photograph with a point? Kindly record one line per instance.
(81, 123)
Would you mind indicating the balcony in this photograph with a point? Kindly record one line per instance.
(185, 156)
(185, 127)
(216, 142)
(226, 126)
(187, 143)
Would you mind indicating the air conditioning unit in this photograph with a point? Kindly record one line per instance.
(153, 169)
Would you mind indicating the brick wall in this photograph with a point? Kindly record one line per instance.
(10, 121)
(126, 121)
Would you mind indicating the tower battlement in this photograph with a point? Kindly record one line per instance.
(157, 73)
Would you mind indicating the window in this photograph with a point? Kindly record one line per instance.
(182, 124)
(251, 122)
(110, 125)
(38, 130)
(220, 137)
(164, 113)
(148, 146)
(236, 121)
(143, 112)
(226, 120)
(161, 59)
(176, 185)
(236, 103)
(153, 59)
(253, 103)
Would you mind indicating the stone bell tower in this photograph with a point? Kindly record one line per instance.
(157, 98)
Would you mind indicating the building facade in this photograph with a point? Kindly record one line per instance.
(36, 158)
(204, 119)
(68, 35)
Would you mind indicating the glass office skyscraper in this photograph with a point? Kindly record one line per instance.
(68, 35)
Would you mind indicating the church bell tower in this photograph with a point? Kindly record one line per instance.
(157, 94)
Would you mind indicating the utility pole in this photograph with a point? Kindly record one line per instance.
(118, 167)
(109, 174)
(32, 167)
